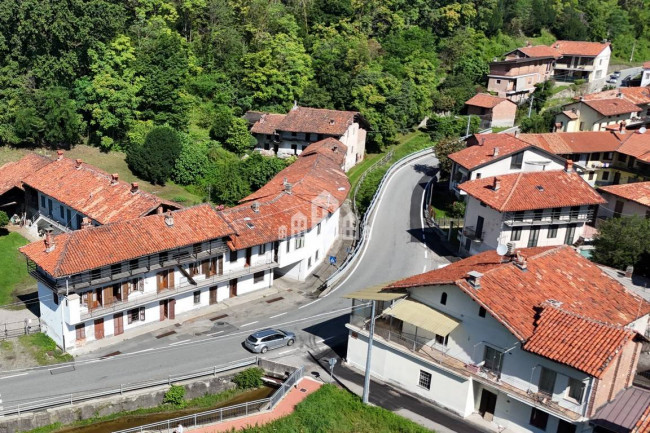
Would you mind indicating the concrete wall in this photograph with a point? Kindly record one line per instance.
(629, 207)
(503, 115)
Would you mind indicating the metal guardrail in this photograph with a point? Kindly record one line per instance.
(70, 399)
(224, 413)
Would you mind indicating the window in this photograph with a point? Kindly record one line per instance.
(576, 389)
(498, 81)
(481, 312)
(262, 249)
(288, 245)
(595, 156)
(591, 175)
(136, 284)
(197, 297)
(300, 241)
(552, 232)
(318, 228)
(133, 264)
(605, 175)
(565, 427)
(316, 255)
(116, 269)
(162, 258)
(538, 418)
(42, 201)
(519, 215)
(537, 214)
(478, 175)
(309, 263)
(493, 359)
(515, 234)
(55, 298)
(258, 277)
(608, 156)
(443, 298)
(194, 269)
(442, 340)
(483, 204)
(137, 314)
(570, 234)
(233, 256)
(80, 331)
(95, 274)
(425, 379)
(582, 126)
(196, 248)
(516, 160)
(556, 212)
(546, 381)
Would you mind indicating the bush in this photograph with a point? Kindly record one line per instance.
(175, 396)
(4, 218)
(249, 378)
(192, 163)
(457, 209)
(155, 159)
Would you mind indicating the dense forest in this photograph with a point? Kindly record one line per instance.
(109, 72)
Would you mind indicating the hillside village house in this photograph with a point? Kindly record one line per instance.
(289, 134)
(534, 341)
(97, 282)
(625, 200)
(526, 209)
(495, 154)
(587, 61)
(493, 110)
(515, 76)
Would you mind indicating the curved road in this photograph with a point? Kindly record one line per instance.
(394, 249)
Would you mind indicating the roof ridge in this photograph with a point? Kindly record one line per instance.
(546, 304)
(512, 190)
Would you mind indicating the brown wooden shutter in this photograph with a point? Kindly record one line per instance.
(160, 278)
(107, 295)
(170, 282)
(125, 291)
(220, 265)
(162, 310)
(205, 265)
(172, 309)
(129, 320)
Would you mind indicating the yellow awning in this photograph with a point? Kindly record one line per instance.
(422, 316)
(375, 293)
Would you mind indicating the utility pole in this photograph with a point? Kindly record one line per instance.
(366, 379)
(632, 54)
(530, 107)
(469, 118)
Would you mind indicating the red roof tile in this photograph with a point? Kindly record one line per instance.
(570, 114)
(94, 247)
(268, 123)
(579, 48)
(562, 143)
(635, 95)
(533, 190)
(638, 192)
(646, 65)
(512, 295)
(317, 121)
(643, 424)
(612, 107)
(540, 51)
(318, 187)
(13, 173)
(475, 156)
(585, 344)
(89, 191)
(485, 100)
(636, 145)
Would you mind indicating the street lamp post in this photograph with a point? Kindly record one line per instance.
(366, 379)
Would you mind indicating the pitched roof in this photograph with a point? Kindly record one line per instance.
(268, 123)
(475, 156)
(646, 65)
(94, 247)
(533, 190)
(485, 100)
(90, 191)
(13, 173)
(643, 424)
(635, 95)
(579, 48)
(561, 143)
(638, 191)
(570, 114)
(636, 145)
(540, 51)
(629, 409)
(514, 296)
(318, 121)
(612, 107)
(580, 342)
(318, 187)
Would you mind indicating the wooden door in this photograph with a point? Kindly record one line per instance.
(99, 329)
(125, 291)
(617, 178)
(233, 287)
(164, 310)
(220, 265)
(172, 309)
(249, 254)
(213, 295)
(488, 404)
(118, 323)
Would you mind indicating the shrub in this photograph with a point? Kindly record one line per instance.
(249, 378)
(175, 396)
(192, 163)
(457, 209)
(4, 218)
(156, 158)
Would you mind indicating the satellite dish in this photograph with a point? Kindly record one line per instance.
(502, 249)
(642, 130)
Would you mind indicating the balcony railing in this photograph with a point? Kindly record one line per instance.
(470, 233)
(513, 219)
(138, 299)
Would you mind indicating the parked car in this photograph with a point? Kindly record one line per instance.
(266, 339)
(611, 80)
(616, 74)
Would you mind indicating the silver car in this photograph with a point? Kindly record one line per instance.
(262, 341)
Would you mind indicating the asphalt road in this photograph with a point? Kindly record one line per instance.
(625, 73)
(395, 249)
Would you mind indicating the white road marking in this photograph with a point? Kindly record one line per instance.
(180, 342)
(248, 324)
(312, 302)
(14, 375)
(287, 351)
(214, 333)
(140, 351)
(278, 315)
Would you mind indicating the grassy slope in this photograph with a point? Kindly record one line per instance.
(333, 410)
(13, 269)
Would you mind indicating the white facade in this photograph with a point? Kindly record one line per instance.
(619, 206)
(645, 75)
(61, 213)
(589, 119)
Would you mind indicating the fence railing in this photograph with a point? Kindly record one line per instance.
(16, 329)
(222, 414)
(72, 398)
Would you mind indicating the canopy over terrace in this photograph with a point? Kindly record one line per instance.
(422, 316)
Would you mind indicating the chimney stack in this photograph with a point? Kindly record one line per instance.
(48, 241)
(86, 223)
(256, 207)
(77, 163)
(496, 151)
(287, 188)
(497, 184)
(159, 211)
(517, 133)
(629, 271)
(474, 279)
(169, 219)
(568, 167)
(482, 142)
(520, 261)
(619, 95)
(134, 187)
(59, 155)
(621, 127)
(115, 178)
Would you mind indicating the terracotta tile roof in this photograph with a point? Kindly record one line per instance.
(268, 123)
(629, 409)
(318, 121)
(638, 191)
(533, 190)
(636, 145)
(485, 100)
(646, 65)
(475, 156)
(562, 143)
(13, 173)
(579, 48)
(89, 191)
(540, 51)
(318, 187)
(643, 424)
(580, 342)
(94, 247)
(612, 107)
(512, 295)
(635, 95)
(570, 114)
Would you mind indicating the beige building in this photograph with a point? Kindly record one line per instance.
(625, 200)
(493, 110)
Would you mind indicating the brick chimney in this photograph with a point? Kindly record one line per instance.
(49, 240)
(115, 178)
(86, 223)
(568, 166)
(134, 187)
(496, 151)
(497, 184)
(621, 127)
(517, 133)
(256, 207)
(159, 211)
(169, 219)
(77, 163)
(59, 155)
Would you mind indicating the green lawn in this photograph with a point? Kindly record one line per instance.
(334, 410)
(13, 268)
(43, 349)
